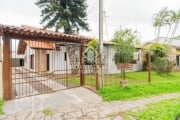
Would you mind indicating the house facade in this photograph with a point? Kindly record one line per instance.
(174, 50)
(44, 57)
(109, 64)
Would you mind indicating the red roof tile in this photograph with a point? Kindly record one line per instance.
(33, 33)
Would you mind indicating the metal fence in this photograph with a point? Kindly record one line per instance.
(40, 67)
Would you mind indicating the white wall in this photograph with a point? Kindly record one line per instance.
(15, 55)
(139, 64)
(27, 54)
(110, 66)
(57, 63)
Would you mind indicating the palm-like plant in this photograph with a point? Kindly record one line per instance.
(175, 18)
(160, 19)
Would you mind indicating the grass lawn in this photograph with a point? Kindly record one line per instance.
(1, 104)
(136, 91)
(131, 77)
(141, 77)
(164, 110)
(138, 86)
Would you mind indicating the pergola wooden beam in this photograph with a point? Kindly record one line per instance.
(7, 82)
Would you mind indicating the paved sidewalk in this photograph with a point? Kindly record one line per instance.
(95, 110)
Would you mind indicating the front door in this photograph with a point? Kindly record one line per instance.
(47, 62)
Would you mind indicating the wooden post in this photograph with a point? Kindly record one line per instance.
(7, 82)
(82, 77)
(149, 67)
(97, 71)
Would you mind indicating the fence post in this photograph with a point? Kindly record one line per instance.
(7, 83)
(149, 67)
(97, 71)
(1, 83)
(82, 77)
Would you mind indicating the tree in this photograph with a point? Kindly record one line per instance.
(125, 40)
(175, 18)
(69, 15)
(166, 17)
(160, 19)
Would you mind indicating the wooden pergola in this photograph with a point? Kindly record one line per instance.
(30, 33)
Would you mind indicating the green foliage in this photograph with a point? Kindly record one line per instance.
(160, 63)
(47, 111)
(135, 91)
(69, 15)
(123, 57)
(94, 44)
(163, 110)
(141, 77)
(1, 105)
(132, 78)
(124, 40)
(166, 18)
(163, 65)
(158, 50)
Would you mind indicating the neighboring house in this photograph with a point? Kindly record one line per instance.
(109, 64)
(174, 53)
(44, 57)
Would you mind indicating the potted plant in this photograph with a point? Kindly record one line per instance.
(124, 40)
(123, 60)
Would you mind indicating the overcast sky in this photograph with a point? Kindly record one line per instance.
(136, 14)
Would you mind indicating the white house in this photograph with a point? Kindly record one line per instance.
(109, 64)
(44, 57)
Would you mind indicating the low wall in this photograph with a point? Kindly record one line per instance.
(1, 86)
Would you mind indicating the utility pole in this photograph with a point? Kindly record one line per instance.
(101, 81)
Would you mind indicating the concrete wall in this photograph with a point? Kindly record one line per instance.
(1, 82)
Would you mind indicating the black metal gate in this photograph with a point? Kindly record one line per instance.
(40, 67)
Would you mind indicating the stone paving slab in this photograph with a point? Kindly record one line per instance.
(89, 110)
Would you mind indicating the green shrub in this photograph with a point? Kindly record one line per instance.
(163, 65)
(123, 57)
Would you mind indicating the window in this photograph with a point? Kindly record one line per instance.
(32, 61)
(21, 62)
(65, 56)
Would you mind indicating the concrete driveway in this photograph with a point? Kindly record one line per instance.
(58, 99)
